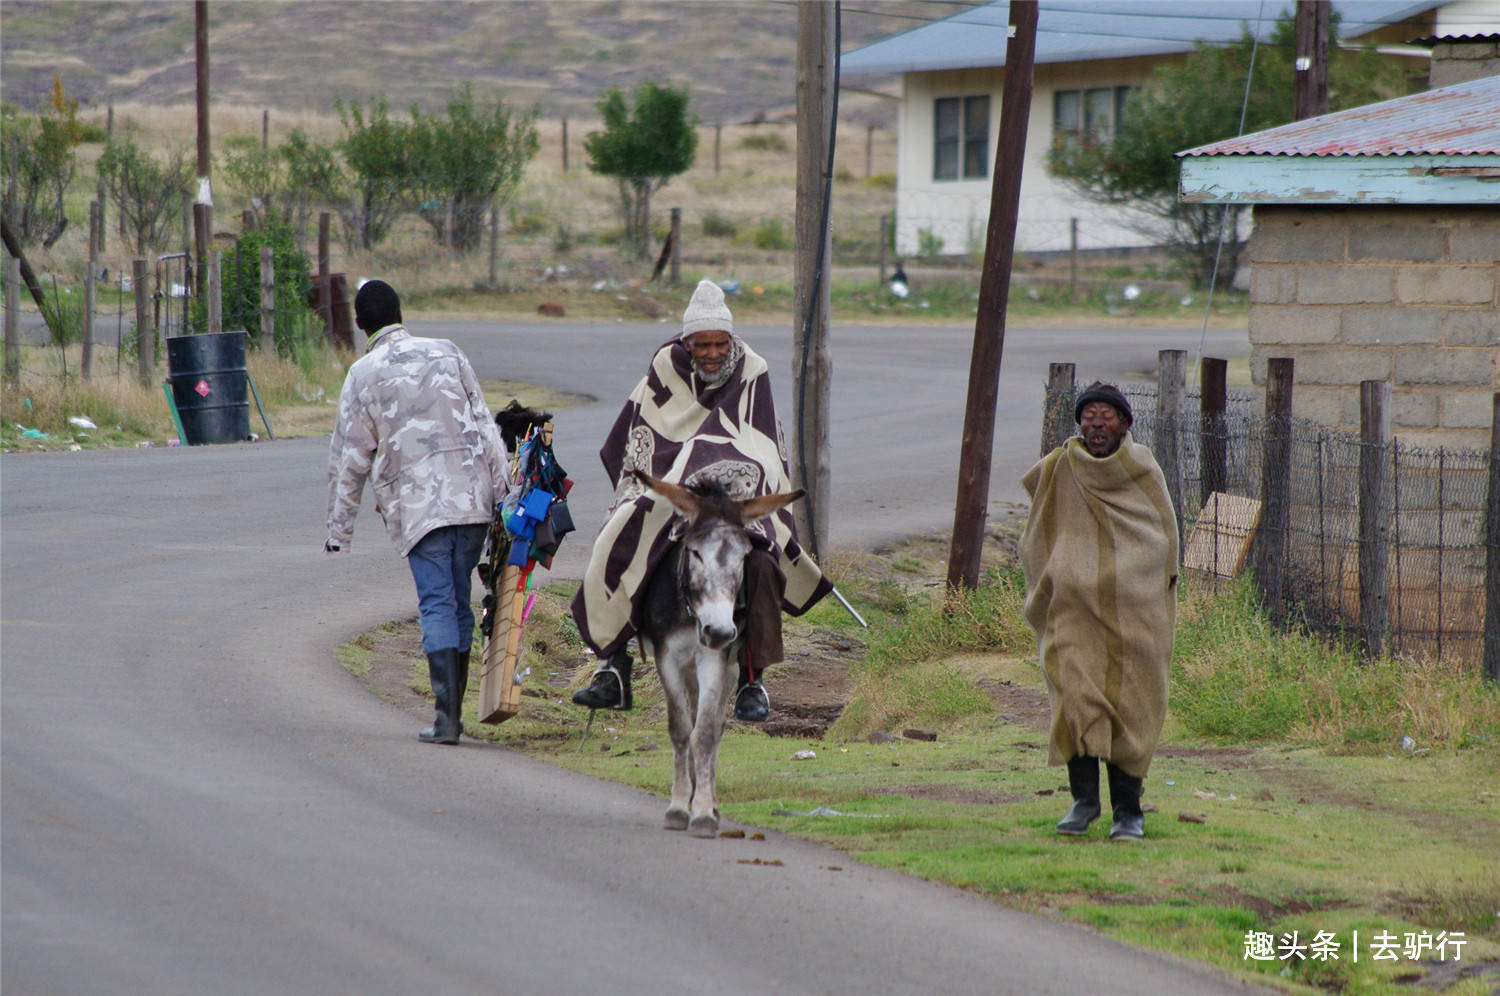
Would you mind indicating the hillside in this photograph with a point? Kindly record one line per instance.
(738, 58)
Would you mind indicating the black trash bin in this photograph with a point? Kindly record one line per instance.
(209, 386)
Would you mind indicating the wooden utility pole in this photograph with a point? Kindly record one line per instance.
(145, 332)
(204, 224)
(811, 364)
(1270, 541)
(1310, 76)
(976, 452)
(267, 301)
(13, 323)
(1171, 389)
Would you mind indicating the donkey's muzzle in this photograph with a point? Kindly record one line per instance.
(717, 636)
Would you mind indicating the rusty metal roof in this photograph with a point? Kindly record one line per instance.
(1462, 119)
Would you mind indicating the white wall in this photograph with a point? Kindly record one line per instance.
(957, 211)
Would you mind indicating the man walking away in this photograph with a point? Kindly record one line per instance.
(413, 420)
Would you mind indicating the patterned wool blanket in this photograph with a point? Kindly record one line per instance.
(1100, 555)
(676, 428)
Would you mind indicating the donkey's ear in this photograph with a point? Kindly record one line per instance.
(681, 498)
(758, 508)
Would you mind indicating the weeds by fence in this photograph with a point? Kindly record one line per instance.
(1432, 548)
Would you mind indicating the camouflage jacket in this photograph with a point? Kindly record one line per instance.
(413, 420)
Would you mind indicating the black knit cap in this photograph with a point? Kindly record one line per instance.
(376, 305)
(1109, 394)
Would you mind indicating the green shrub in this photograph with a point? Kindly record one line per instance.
(764, 142)
(716, 226)
(770, 234)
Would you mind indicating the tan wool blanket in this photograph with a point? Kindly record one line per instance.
(1100, 555)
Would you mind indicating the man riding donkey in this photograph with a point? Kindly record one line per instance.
(703, 413)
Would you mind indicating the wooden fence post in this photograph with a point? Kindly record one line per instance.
(869, 150)
(1374, 514)
(565, 145)
(676, 237)
(880, 247)
(13, 321)
(1275, 485)
(325, 290)
(90, 290)
(1491, 554)
(718, 139)
(215, 294)
(494, 247)
(1057, 418)
(145, 334)
(1073, 259)
(267, 301)
(1171, 387)
(1213, 381)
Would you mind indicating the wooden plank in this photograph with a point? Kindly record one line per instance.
(1220, 540)
(499, 693)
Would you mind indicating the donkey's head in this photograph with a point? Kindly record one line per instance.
(714, 545)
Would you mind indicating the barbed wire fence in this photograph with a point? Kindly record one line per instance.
(1403, 565)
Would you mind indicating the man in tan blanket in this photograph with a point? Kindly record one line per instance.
(1100, 555)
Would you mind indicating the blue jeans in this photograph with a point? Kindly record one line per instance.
(442, 564)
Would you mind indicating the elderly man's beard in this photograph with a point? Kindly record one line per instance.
(718, 377)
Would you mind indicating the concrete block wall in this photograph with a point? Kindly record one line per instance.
(1410, 295)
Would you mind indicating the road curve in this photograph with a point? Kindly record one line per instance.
(197, 798)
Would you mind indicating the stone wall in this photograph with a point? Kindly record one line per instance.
(1410, 295)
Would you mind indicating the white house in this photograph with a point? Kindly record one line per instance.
(1089, 54)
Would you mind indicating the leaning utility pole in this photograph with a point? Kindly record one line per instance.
(817, 56)
(1310, 78)
(975, 456)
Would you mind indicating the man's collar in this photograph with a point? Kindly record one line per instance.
(379, 333)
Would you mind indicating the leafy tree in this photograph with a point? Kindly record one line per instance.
(144, 190)
(313, 170)
(642, 146)
(474, 158)
(260, 174)
(37, 163)
(1197, 102)
(241, 279)
(379, 154)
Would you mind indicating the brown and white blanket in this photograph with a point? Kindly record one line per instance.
(1100, 555)
(676, 428)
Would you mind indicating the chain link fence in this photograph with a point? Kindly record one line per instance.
(1434, 535)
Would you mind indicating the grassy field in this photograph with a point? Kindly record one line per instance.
(1295, 791)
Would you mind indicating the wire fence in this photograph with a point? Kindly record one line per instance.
(1433, 544)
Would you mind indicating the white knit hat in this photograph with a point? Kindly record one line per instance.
(707, 312)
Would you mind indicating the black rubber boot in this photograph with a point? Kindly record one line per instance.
(1083, 783)
(1125, 797)
(442, 671)
(610, 688)
(461, 684)
(751, 703)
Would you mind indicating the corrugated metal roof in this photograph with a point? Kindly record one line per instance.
(1462, 119)
(1081, 30)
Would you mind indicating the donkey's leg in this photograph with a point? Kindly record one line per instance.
(674, 659)
(713, 668)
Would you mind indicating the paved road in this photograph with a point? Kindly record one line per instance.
(197, 798)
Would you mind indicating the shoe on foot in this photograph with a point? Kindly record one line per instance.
(610, 687)
(1077, 822)
(1128, 826)
(752, 704)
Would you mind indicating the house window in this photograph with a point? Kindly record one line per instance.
(1095, 112)
(961, 138)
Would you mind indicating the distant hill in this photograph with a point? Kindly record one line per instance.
(738, 58)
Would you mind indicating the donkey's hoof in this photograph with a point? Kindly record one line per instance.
(705, 826)
(677, 819)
